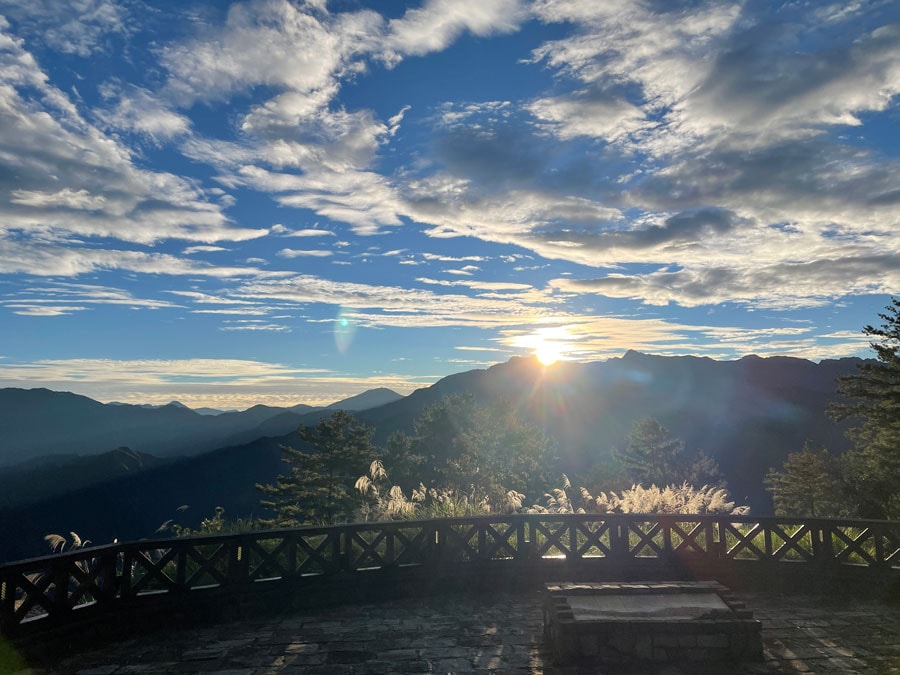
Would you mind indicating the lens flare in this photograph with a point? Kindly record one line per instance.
(344, 330)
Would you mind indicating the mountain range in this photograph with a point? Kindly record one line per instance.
(747, 414)
(37, 424)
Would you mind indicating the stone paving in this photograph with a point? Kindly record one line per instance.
(493, 634)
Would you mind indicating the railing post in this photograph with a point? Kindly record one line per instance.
(482, 544)
(238, 563)
(716, 538)
(7, 602)
(618, 540)
(346, 550)
(107, 580)
(438, 544)
(292, 554)
(126, 578)
(181, 569)
(389, 555)
(823, 549)
(523, 543)
(878, 537)
(60, 577)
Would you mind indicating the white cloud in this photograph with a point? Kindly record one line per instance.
(60, 298)
(48, 260)
(450, 258)
(589, 115)
(478, 285)
(438, 23)
(377, 306)
(140, 111)
(43, 310)
(268, 42)
(782, 285)
(71, 26)
(295, 253)
(256, 325)
(206, 298)
(190, 250)
(310, 233)
(72, 178)
(235, 311)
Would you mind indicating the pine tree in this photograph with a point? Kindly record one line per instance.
(653, 457)
(872, 398)
(319, 487)
(808, 485)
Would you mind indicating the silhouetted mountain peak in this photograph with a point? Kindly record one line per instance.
(372, 398)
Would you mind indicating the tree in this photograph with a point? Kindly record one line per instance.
(503, 451)
(319, 487)
(488, 449)
(439, 433)
(407, 464)
(872, 399)
(477, 451)
(652, 456)
(809, 485)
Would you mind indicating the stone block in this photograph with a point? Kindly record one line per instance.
(643, 647)
(719, 641)
(665, 640)
(687, 640)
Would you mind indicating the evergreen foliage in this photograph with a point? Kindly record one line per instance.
(319, 487)
(872, 399)
(809, 485)
(471, 449)
(654, 457)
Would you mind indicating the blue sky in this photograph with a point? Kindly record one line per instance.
(288, 202)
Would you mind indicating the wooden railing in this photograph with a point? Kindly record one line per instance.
(59, 589)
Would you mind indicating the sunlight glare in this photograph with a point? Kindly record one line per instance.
(547, 353)
(547, 344)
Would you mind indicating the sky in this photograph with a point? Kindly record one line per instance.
(291, 202)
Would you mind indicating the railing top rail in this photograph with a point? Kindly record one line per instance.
(310, 531)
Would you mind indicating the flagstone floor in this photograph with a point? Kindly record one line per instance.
(493, 634)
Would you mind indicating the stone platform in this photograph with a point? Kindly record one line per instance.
(484, 634)
(664, 622)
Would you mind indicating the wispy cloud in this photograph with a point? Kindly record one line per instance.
(61, 298)
(295, 253)
(255, 325)
(310, 233)
(71, 26)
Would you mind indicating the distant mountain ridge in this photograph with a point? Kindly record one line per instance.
(37, 423)
(747, 414)
(374, 398)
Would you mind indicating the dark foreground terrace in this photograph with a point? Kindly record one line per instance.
(448, 596)
(493, 633)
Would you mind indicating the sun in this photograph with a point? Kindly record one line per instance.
(547, 353)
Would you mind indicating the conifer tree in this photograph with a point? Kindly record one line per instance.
(653, 457)
(872, 399)
(808, 485)
(319, 487)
